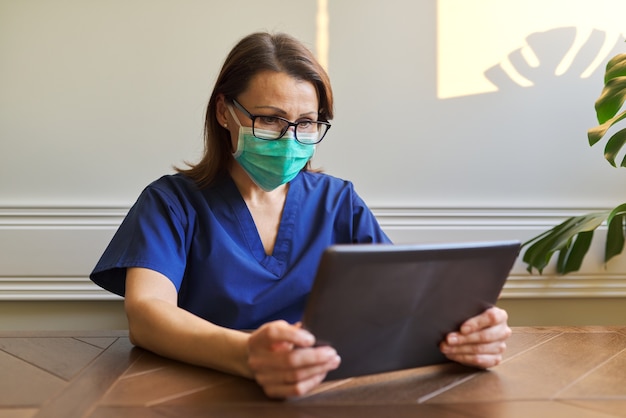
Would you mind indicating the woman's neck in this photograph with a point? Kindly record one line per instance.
(252, 194)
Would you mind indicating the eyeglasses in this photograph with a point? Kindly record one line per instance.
(271, 128)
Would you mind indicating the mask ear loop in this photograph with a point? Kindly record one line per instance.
(234, 115)
(240, 142)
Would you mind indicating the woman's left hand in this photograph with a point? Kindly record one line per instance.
(480, 342)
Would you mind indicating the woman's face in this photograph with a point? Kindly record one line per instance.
(271, 94)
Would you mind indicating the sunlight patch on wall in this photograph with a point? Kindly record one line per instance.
(321, 41)
(515, 37)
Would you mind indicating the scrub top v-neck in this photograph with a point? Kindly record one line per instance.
(205, 242)
(274, 262)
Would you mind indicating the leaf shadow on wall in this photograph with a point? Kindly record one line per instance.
(515, 127)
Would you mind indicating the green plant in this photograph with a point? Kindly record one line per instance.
(572, 238)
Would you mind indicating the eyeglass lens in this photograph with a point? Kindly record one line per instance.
(266, 127)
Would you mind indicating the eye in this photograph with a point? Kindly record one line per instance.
(305, 124)
(269, 120)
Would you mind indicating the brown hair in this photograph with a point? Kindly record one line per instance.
(253, 54)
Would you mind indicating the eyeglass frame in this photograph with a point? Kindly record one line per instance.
(289, 125)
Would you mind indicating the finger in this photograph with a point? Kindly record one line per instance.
(288, 390)
(281, 332)
(288, 361)
(486, 319)
(482, 361)
(294, 382)
(495, 333)
(294, 334)
(498, 347)
(293, 375)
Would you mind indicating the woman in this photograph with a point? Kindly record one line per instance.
(233, 242)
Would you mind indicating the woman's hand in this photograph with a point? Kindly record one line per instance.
(285, 363)
(480, 342)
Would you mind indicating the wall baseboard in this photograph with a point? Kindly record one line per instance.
(46, 253)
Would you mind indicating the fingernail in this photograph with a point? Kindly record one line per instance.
(307, 337)
(452, 339)
(330, 352)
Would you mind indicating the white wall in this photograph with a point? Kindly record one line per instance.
(98, 98)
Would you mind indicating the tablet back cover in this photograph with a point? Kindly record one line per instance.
(387, 307)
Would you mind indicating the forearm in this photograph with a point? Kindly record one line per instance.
(172, 332)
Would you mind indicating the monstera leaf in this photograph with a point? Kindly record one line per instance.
(572, 238)
(608, 104)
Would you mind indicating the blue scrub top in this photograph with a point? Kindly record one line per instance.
(205, 241)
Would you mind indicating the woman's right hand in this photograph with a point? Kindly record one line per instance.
(285, 362)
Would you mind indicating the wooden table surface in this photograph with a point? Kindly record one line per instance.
(548, 372)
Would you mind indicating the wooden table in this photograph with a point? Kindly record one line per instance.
(548, 372)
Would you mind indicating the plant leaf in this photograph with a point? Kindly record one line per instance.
(615, 232)
(560, 262)
(540, 249)
(618, 210)
(616, 67)
(611, 99)
(572, 238)
(614, 238)
(571, 257)
(539, 253)
(596, 133)
(614, 145)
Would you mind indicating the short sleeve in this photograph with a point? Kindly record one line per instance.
(153, 235)
(365, 227)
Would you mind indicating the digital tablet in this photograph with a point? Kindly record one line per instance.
(387, 307)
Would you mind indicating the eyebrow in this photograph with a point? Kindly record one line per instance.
(283, 113)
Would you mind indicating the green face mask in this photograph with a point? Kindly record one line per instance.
(270, 163)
